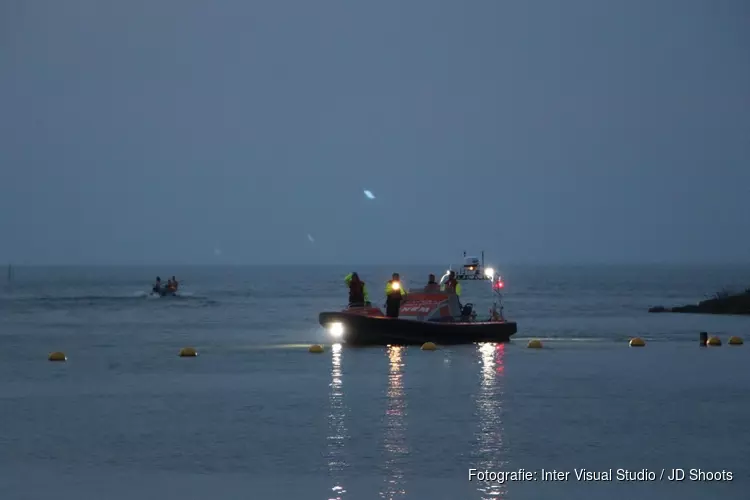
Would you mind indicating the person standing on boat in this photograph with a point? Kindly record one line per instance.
(394, 295)
(157, 285)
(452, 285)
(175, 285)
(432, 285)
(358, 296)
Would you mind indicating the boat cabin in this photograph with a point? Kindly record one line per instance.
(473, 269)
(472, 266)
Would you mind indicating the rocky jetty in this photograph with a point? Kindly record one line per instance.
(721, 303)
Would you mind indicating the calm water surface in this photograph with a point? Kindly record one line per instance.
(257, 416)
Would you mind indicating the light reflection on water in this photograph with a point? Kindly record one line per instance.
(337, 433)
(489, 438)
(395, 427)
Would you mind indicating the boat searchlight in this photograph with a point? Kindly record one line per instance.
(395, 285)
(336, 329)
(489, 272)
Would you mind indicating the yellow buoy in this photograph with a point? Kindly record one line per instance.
(534, 344)
(316, 348)
(57, 356)
(637, 342)
(735, 341)
(715, 341)
(188, 352)
(429, 346)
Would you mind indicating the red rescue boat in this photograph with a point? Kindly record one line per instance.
(427, 316)
(423, 317)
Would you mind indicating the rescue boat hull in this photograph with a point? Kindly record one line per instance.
(370, 330)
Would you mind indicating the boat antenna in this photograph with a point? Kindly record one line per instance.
(482, 259)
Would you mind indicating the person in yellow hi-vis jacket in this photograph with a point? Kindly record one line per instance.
(394, 294)
(358, 296)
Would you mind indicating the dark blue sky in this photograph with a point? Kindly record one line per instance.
(546, 131)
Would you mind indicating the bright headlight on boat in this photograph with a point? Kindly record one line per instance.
(336, 329)
(489, 272)
(395, 285)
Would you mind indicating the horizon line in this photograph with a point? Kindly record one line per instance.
(401, 264)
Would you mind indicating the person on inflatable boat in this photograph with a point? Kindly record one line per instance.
(432, 285)
(394, 295)
(452, 284)
(358, 296)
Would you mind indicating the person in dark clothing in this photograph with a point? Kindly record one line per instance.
(157, 285)
(432, 285)
(394, 295)
(358, 296)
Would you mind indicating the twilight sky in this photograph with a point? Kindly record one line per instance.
(158, 131)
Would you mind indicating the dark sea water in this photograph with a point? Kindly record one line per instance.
(256, 415)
